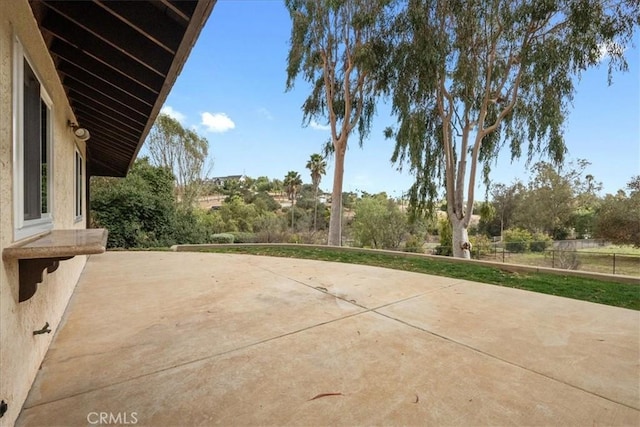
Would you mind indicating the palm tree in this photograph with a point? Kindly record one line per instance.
(316, 165)
(292, 183)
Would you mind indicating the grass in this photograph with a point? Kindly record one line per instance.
(598, 262)
(611, 249)
(609, 293)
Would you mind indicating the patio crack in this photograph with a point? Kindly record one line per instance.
(493, 356)
(198, 360)
(352, 301)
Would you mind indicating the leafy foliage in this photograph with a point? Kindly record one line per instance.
(222, 238)
(244, 237)
(182, 151)
(558, 193)
(378, 222)
(481, 244)
(618, 218)
(539, 242)
(195, 226)
(507, 201)
(137, 210)
(467, 77)
(263, 202)
(237, 215)
(414, 244)
(446, 237)
(317, 166)
(336, 46)
(517, 240)
(270, 228)
(292, 183)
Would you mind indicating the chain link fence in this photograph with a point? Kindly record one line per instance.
(597, 262)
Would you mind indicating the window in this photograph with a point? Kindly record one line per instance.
(79, 186)
(32, 149)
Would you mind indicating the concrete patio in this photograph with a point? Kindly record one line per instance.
(181, 339)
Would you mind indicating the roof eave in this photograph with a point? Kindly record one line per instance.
(200, 16)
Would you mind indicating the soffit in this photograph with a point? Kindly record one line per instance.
(117, 61)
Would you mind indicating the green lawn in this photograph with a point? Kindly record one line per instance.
(597, 262)
(616, 294)
(611, 249)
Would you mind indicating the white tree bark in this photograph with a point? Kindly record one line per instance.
(461, 245)
(335, 221)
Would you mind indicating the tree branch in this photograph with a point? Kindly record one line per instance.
(329, 80)
(359, 100)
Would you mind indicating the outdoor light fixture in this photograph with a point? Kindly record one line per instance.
(81, 133)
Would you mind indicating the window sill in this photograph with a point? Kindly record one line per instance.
(32, 228)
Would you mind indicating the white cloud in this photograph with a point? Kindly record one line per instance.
(317, 126)
(265, 113)
(217, 122)
(614, 47)
(169, 111)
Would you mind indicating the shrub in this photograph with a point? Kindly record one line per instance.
(222, 238)
(443, 250)
(561, 233)
(244, 237)
(540, 242)
(414, 244)
(481, 244)
(378, 222)
(446, 238)
(195, 225)
(293, 238)
(270, 228)
(138, 210)
(517, 240)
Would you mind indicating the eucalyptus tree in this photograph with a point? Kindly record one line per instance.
(292, 183)
(335, 46)
(317, 166)
(182, 151)
(468, 77)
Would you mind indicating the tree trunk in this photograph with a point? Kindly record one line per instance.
(461, 245)
(315, 211)
(335, 222)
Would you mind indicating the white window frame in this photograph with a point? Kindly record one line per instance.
(79, 178)
(26, 228)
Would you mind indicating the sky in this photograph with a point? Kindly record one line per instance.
(232, 91)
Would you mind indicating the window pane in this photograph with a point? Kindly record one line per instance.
(78, 185)
(32, 145)
(44, 138)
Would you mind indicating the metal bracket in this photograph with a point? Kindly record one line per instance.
(31, 273)
(45, 330)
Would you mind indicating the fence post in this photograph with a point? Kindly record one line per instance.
(503, 255)
(614, 263)
(553, 258)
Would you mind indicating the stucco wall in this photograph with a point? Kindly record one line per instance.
(21, 353)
